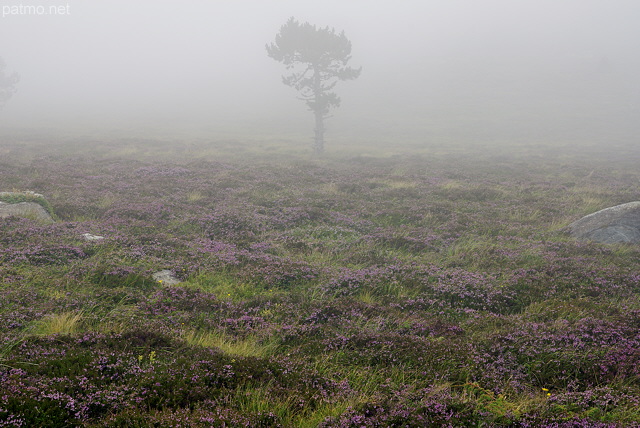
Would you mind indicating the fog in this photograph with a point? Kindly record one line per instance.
(436, 70)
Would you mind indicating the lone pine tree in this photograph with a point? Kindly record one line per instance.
(317, 58)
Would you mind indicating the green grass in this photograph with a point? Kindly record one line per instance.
(250, 346)
(226, 286)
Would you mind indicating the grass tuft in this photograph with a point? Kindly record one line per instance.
(249, 346)
(63, 323)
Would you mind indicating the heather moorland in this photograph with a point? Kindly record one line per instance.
(431, 286)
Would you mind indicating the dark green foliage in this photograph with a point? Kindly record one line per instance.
(36, 413)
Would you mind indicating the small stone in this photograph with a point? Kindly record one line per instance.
(90, 237)
(165, 277)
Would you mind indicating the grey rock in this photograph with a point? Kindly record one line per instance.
(610, 225)
(165, 277)
(25, 209)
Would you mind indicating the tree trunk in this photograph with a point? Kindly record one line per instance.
(318, 143)
(318, 110)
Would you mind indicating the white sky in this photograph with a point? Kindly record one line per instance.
(431, 68)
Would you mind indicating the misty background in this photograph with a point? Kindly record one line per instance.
(436, 70)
